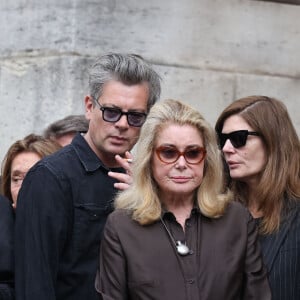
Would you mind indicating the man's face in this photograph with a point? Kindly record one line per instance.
(110, 138)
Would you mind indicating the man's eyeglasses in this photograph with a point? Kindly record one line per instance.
(113, 114)
(170, 154)
(237, 138)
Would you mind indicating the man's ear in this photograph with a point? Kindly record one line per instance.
(88, 102)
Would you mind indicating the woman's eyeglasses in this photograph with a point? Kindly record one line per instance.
(113, 114)
(237, 138)
(170, 154)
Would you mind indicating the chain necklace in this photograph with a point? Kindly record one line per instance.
(182, 249)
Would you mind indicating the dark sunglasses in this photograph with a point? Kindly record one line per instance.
(170, 154)
(113, 114)
(237, 138)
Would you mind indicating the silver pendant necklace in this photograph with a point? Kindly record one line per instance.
(182, 249)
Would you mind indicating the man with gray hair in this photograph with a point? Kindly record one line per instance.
(65, 198)
(63, 131)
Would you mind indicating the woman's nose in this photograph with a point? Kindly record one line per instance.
(228, 147)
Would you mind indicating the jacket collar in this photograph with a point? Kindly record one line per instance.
(86, 155)
(277, 238)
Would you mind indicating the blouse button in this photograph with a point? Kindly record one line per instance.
(190, 281)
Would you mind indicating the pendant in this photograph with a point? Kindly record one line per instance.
(182, 249)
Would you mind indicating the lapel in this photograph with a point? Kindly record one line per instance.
(276, 240)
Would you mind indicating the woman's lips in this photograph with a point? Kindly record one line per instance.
(180, 179)
(232, 164)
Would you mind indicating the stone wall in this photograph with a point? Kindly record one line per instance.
(208, 52)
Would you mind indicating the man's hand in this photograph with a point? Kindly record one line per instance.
(125, 179)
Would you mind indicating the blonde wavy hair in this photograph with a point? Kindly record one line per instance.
(142, 198)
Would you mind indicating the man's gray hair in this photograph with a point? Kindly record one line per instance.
(69, 124)
(127, 68)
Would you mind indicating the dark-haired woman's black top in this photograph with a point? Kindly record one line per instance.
(281, 252)
(6, 249)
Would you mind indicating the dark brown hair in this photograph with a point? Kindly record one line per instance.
(280, 181)
(31, 143)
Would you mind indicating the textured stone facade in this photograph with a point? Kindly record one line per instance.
(208, 52)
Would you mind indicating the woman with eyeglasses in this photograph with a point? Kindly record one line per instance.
(176, 234)
(262, 152)
(20, 157)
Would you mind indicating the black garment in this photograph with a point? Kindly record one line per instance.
(62, 208)
(6, 249)
(281, 252)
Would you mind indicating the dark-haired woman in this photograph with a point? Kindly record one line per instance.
(262, 152)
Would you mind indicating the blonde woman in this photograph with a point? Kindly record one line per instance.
(176, 234)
